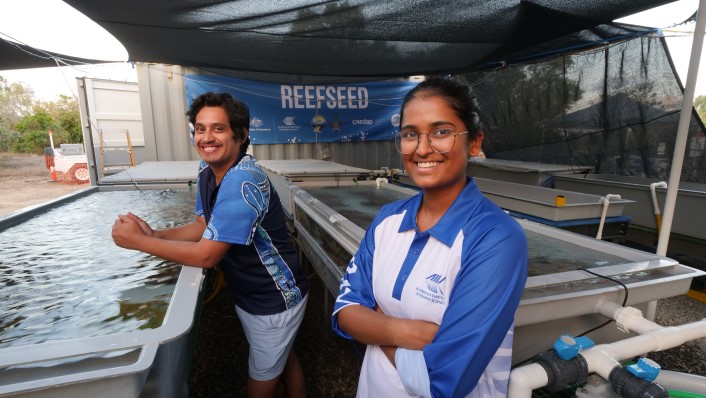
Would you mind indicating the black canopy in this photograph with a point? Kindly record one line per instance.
(353, 38)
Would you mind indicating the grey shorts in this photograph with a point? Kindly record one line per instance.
(271, 338)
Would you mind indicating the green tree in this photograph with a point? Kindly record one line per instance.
(700, 106)
(65, 112)
(33, 129)
(16, 101)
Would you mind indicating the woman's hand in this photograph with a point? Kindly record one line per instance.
(412, 334)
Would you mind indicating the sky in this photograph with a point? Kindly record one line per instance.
(78, 36)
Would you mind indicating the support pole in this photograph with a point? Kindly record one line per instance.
(682, 130)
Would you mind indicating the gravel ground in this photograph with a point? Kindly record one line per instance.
(331, 369)
(331, 364)
(689, 357)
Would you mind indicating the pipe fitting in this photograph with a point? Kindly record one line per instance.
(379, 181)
(628, 385)
(561, 374)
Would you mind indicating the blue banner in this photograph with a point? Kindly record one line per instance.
(302, 113)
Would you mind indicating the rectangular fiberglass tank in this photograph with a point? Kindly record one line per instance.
(559, 297)
(530, 173)
(689, 215)
(542, 202)
(83, 317)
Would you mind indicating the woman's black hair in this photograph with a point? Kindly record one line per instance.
(238, 113)
(459, 96)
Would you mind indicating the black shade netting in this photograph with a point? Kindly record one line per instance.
(615, 109)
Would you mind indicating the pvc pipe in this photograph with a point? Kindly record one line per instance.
(525, 379)
(379, 181)
(606, 203)
(682, 129)
(628, 319)
(655, 205)
(602, 358)
(681, 381)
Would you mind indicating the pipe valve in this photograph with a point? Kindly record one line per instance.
(646, 369)
(567, 346)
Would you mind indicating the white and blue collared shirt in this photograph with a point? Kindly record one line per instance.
(466, 273)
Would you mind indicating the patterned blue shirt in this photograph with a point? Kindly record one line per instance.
(261, 268)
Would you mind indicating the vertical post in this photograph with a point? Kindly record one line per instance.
(680, 144)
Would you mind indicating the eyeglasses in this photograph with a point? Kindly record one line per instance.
(440, 140)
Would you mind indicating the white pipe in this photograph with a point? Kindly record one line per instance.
(379, 181)
(602, 358)
(682, 129)
(656, 340)
(606, 203)
(525, 379)
(681, 381)
(655, 205)
(628, 319)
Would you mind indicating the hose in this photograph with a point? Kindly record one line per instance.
(685, 394)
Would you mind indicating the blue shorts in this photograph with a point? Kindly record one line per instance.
(271, 338)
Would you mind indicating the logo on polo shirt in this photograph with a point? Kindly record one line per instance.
(433, 283)
(433, 292)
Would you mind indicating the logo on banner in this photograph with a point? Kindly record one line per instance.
(395, 120)
(318, 122)
(288, 124)
(256, 124)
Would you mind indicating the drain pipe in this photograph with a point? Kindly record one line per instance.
(655, 205)
(604, 359)
(627, 319)
(379, 181)
(606, 203)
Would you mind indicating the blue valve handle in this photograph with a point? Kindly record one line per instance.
(567, 346)
(646, 369)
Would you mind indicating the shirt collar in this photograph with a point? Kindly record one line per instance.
(446, 229)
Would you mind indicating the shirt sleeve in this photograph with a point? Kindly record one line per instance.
(412, 369)
(357, 284)
(241, 204)
(481, 309)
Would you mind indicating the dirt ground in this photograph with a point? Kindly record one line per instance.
(25, 181)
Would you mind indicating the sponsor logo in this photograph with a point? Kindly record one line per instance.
(395, 120)
(318, 122)
(288, 121)
(256, 122)
(366, 122)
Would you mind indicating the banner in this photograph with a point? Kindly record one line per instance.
(305, 113)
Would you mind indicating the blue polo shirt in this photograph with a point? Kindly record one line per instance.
(466, 274)
(261, 267)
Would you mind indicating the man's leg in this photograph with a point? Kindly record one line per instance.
(264, 389)
(293, 377)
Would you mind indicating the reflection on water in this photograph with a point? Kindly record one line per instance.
(357, 203)
(547, 255)
(62, 277)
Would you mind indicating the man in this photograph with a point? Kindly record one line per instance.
(240, 224)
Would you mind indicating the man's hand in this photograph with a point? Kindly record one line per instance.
(142, 223)
(128, 229)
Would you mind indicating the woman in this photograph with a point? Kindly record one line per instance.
(436, 281)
